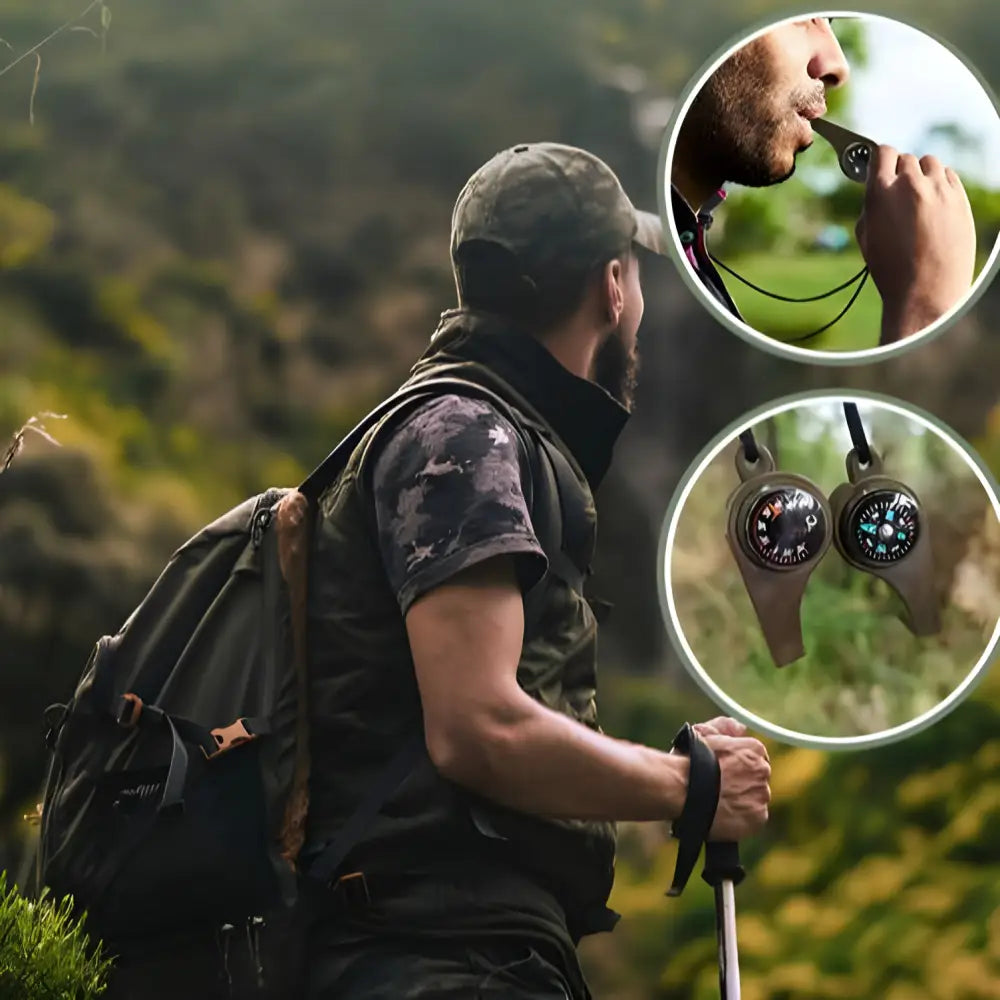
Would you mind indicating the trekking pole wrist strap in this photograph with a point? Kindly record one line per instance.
(692, 826)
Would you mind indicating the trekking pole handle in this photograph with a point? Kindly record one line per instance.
(722, 863)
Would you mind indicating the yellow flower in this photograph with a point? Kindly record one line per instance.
(929, 786)
(874, 880)
(794, 771)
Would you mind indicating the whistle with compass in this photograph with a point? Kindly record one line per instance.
(854, 152)
(778, 526)
(880, 529)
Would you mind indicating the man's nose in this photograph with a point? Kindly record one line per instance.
(828, 62)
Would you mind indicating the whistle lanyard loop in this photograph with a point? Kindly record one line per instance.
(854, 425)
(857, 429)
(750, 450)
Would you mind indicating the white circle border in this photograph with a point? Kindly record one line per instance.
(722, 314)
(665, 589)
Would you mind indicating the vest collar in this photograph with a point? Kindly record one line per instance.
(586, 417)
(685, 219)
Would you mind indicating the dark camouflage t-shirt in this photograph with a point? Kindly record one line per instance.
(448, 494)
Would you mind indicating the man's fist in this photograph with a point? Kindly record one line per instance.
(745, 791)
(722, 725)
(918, 237)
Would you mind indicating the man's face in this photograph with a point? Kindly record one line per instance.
(751, 118)
(616, 364)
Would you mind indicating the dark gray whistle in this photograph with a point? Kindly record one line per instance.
(854, 152)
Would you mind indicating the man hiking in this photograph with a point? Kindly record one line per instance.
(747, 125)
(454, 549)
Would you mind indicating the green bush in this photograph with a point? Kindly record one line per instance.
(44, 953)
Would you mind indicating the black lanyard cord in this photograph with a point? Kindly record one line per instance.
(861, 277)
(858, 437)
(750, 449)
(837, 318)
(862, 274)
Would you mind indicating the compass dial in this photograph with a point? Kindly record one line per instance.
(786, 527)
(885, 525)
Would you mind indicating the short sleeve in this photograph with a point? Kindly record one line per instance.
(447, 488)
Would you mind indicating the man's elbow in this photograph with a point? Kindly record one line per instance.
(472, 752)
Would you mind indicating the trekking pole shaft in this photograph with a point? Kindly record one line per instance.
(723, 872)
(729, 965)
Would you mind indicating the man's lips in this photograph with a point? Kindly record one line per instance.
(813, 111)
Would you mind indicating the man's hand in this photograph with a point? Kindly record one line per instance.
(721, 725)
(918, 237)
(745, 791)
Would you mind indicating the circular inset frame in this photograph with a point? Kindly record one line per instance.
(676, 250)
(676, 631)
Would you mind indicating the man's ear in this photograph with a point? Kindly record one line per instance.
(613, 290)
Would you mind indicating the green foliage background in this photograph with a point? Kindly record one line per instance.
(226, 236)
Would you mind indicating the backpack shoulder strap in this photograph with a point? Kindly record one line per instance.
(553, 474)
(542, 494)
(334, 463)
(325, 866)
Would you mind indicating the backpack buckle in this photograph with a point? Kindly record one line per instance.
(129, 710)
(351, 892)
(227, 737)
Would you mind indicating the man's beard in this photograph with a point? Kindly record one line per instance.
(736, 124)
(616, 369)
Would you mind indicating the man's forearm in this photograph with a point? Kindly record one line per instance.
(907, 318)
(539, 761)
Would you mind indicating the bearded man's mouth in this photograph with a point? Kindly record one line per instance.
(813, 111)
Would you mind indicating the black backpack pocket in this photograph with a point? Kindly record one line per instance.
(203, 861)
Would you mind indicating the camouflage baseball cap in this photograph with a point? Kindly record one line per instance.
(552, 207)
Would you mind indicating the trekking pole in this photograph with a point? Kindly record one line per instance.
(724, 872)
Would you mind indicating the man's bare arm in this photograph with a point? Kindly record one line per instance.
(484, 732)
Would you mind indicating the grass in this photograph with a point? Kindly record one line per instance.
(44, 953)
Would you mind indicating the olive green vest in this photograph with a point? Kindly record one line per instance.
(364, 698)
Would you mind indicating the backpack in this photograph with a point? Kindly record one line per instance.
(177, 786)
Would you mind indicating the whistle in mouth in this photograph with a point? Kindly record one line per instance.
(854, 152)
